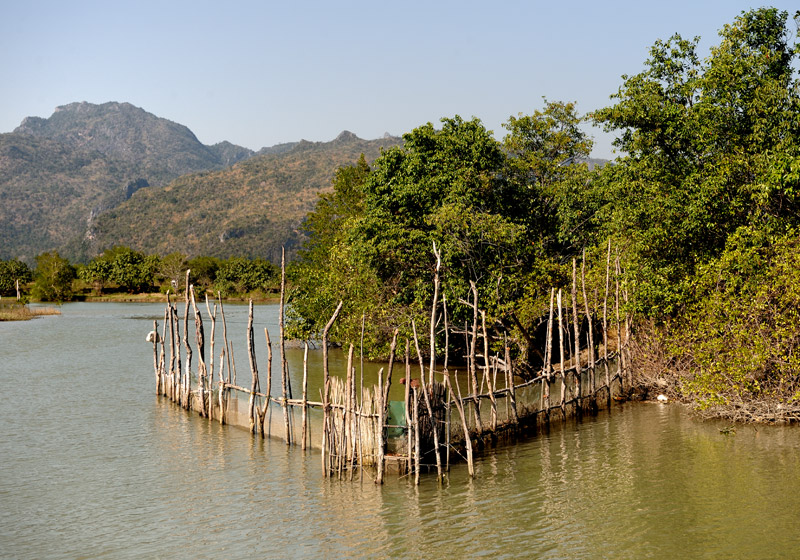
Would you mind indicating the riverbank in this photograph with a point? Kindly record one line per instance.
(157, 297)
(662, 365)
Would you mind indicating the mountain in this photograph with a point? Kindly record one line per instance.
(249, 209)
(160, 150)
(50, 191)
(58, 174)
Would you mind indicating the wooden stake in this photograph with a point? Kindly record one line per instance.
(510, 383)
(409, 425)
(326, 387)
(268, 401)
(225, 337)
(576, 330)
(383, 409)
(486, 368)
(213, 317)
(201, 361)
(465, 428)
(187, 377)
(605, 324)
(251, 351)
(155, 357)
(472, 357)
(305, 434)
(434, 308)
(590, 321)
(284, 366)
(416, 439)
(426, 396)
(561, 354)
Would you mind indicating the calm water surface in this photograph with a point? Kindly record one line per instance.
(94, 465)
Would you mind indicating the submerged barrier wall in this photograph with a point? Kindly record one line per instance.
(358, 429)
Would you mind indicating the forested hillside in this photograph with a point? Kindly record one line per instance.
(58, 174)
(49, 192)
(250, 209)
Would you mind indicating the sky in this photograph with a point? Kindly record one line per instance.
(259, 73)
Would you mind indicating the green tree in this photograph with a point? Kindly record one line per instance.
(370, 240)
(239, 275)
(53, 278)
(11, 272)
(97, 272)
(327, 271)
(712, 147)
(203, 271)
(130, 270)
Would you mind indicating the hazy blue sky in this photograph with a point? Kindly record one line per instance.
(261, 73)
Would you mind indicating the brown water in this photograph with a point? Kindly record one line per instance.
(93, 464)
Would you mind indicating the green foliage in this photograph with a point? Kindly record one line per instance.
(241, 276)
(53, 279)
(711, 147)
(203, 271)
(129, 270)
(11, 271)
(742, 338)
(498, 213)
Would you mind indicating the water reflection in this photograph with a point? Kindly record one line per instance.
(94, 464)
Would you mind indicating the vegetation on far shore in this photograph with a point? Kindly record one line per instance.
(123, 275)
(699, 220)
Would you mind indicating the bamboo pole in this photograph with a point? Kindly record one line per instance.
(472, 357)
(305, 434)
(267, 408)
(486, 366)
(416, 438)
(426, 396)
(620, 357)
(379, 433)
(251, 351)
(626, 341)
(464, 427)
(155, 356)
(590, 321)
(284, 366)
(348, 415)
(409, 425)
(383, 409)
(213, 318)
(222, 356)
(449, 393)
(187, 377)
(576, 330)
(228, 352)
(201, 361)
(548, 359)
(434, 307)
(326, 427)
(561, 355)
(510, 383)
(605, 325)
(178, 385)
(162, 355)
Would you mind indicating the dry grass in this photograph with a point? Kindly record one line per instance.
(23, 312)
